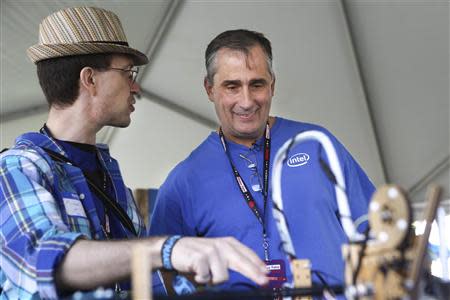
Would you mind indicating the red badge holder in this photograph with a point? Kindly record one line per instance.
(277, 276)
(277, 273)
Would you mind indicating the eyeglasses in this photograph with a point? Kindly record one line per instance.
(255, 179)
(133, 73)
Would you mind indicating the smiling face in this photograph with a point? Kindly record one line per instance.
(115, 98)
(242, 93)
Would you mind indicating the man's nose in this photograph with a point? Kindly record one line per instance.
(135, 88)
(246, 98)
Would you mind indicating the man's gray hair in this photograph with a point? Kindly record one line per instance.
(240, 40)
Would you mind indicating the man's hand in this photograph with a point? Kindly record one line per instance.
(210, 258)
(90, 264)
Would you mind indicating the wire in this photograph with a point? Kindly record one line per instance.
(361, 219)
(361, 252)
(330, 175)
(325, 284)
(282, 243)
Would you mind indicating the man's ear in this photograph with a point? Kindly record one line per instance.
(208, 88)
(87, 80)
(272, 86)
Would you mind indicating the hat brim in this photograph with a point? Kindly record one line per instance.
(41, 52)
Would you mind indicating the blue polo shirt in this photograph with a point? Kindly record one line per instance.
(200, 197)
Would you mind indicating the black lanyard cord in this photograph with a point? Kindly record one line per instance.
(110, 204)
(248, 197)
(107, 201)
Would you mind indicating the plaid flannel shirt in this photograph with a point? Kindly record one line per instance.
(40, 215)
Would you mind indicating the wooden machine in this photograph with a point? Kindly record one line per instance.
(389, 264)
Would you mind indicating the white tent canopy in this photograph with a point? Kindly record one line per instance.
(375, 73)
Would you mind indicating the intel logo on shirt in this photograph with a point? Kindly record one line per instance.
(297, 160)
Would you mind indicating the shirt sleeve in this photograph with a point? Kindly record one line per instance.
(33, 236)
(167, 217)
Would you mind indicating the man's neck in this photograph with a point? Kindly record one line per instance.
(68, 124)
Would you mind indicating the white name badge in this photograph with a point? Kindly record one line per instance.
(273, 267)
(74, 207)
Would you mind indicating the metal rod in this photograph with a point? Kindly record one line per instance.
(23, 113)
(364, 86)
(429, 176)
(152, 49)
(179, 109)
(158, 38)
(418, 206)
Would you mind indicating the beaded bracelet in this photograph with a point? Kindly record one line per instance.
(166, 251)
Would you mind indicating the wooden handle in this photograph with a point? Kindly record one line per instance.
(141, 273)
(433, 197)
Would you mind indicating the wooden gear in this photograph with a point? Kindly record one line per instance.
(387, 267)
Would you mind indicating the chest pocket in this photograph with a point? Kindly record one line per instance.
(75, 212)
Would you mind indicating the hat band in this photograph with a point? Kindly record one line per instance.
(105, 42)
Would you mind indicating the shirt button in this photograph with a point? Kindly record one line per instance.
(82, 196)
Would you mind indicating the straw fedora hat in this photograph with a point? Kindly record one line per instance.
(82, 30)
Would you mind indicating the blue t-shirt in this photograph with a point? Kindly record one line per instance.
(200, 197)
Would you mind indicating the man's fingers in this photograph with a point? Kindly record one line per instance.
(248, 254)
(210, 259)
(200, 256)
(249, 270)
(201, 267)
(202, 278)
(243, 260)
(217, 265)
